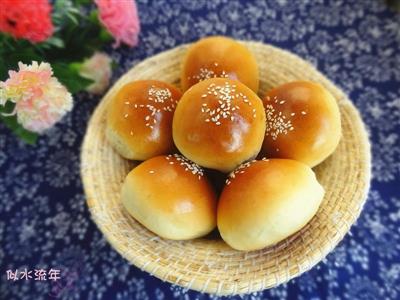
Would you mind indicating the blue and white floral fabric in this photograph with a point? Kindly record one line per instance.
(44, 221)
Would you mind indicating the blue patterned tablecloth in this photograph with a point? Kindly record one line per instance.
(44, 221)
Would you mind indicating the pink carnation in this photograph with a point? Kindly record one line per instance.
(120, 17)
(40, 99)
(97, 68)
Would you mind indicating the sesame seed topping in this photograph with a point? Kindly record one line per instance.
(159, 95)
(277, 123)
(227, 98)
(151, 172)
(303, 112)
(205, 73)
(188, 165)
(241, 170)
(160, 99)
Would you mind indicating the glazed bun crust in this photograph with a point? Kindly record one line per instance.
(170, 196)
(219, 123)
(303, 123)
(139, 119)
(266, 202)
(219, 57)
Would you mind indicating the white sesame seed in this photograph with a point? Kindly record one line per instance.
(160, 99)
(226, 96)
(188, 165)
(276, 122)
(239, 170)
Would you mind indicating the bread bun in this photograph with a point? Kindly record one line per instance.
(219, 56)
(170, 196)
(266, 201)
(139, 119)
(219, 123)
(303, 123)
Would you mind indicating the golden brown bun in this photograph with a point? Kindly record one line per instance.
(170, 196)
(303, 123)
(139, 119)
(219, 123)
(266, 201)
(219, 56)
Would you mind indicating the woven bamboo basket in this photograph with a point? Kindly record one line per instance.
(209, 265)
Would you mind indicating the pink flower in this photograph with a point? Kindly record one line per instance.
(40, 99)
(121, 19)
(97, 68)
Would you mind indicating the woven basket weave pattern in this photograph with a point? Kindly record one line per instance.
(210, 265)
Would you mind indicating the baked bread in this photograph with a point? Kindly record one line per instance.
(219, 56)
(303, 122)
(219, 123)
(170, 196)
(265, 201)
(139, 119)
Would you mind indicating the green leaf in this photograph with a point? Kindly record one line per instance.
(56, 41)
(94, 16)
(83, 2)
(68, 74)
(72, 17)
(75, 66)
(105, 36)
(12, 123)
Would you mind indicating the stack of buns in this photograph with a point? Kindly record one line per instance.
(219, 128)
